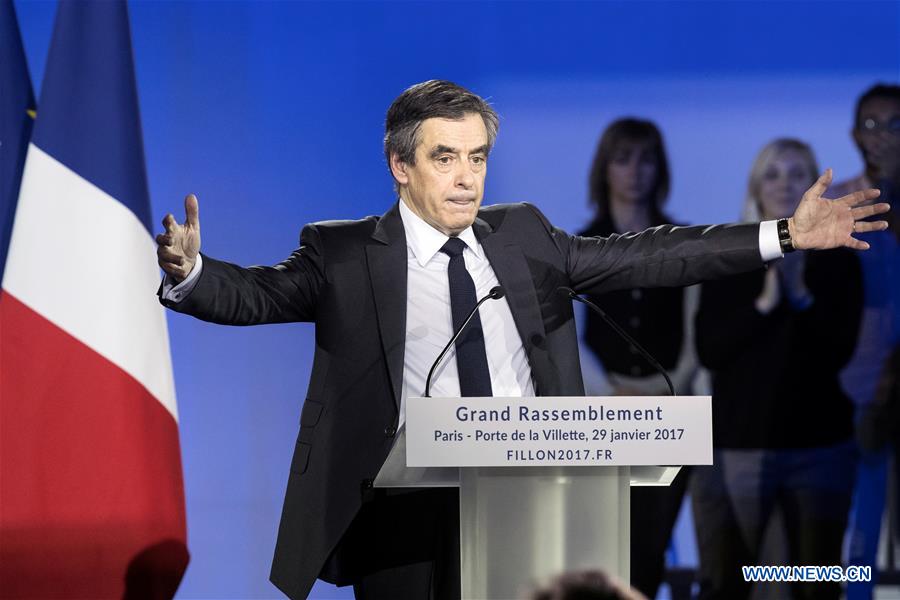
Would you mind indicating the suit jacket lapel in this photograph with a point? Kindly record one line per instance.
(387, 272)
(512, 271)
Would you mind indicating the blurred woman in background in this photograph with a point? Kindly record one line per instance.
(775, 341)
(629, 185)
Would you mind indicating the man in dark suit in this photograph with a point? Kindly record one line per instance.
(397, 285)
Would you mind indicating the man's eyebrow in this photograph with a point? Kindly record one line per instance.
(441, 149)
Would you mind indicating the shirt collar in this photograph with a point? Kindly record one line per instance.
(425, 241)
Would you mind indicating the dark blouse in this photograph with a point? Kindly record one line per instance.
(654, 317)
(775, 376)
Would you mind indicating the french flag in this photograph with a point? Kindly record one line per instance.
(91, 492)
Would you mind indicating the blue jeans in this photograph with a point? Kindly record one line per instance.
(864, 529)
(733, 501)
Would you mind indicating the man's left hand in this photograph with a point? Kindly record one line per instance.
(819, 223)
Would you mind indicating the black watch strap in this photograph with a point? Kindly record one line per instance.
(784, 236)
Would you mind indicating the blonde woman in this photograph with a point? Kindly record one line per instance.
(775, 341)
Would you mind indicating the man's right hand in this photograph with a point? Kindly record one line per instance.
(178, 247)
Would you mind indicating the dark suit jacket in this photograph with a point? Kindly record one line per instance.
(349, 277)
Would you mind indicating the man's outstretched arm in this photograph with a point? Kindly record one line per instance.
(677, 256)
(225, 293)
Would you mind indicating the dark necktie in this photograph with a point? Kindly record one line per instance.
(471, 359)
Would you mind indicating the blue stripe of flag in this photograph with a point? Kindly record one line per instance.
(16, 99)
(89, 118)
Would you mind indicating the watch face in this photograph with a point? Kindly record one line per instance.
(784, 236)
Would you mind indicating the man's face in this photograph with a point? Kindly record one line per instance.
(446, 185)
(877, 135)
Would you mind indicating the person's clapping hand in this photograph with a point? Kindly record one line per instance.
(178, 247)
(770, 295)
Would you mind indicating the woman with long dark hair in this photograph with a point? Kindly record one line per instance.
(629, 185)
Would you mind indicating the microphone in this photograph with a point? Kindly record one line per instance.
(496, 293)
(570, 293)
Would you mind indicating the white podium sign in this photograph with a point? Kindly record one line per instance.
(552, 431)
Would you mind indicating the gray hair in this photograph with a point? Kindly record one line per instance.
(429, 100)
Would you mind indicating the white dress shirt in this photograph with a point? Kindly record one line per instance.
(429, 322)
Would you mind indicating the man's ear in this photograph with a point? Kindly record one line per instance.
(398, 169)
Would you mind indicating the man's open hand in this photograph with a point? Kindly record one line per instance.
(820, 223)
(178, 247)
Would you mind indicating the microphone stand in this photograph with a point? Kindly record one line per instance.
(615, 327)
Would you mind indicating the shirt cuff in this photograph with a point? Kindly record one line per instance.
(769, 246)
(177, 293)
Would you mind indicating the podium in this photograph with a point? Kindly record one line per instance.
(548, 499)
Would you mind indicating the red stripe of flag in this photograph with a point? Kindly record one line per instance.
(90, 476)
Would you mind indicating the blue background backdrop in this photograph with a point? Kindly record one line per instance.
(272, 112)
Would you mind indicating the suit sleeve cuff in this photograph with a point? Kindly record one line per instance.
(769, 247)
(176, 293)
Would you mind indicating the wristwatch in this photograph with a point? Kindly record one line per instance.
(784, 236)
